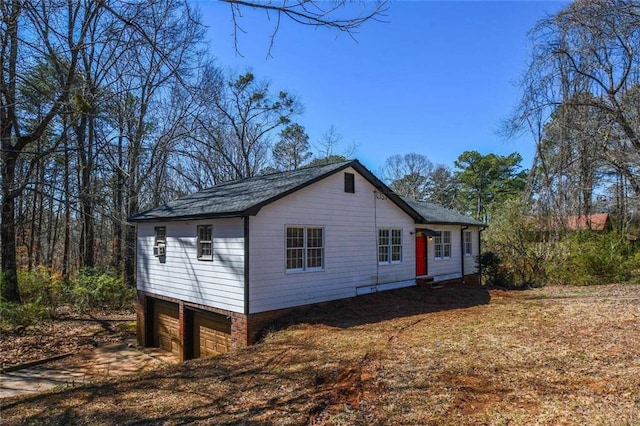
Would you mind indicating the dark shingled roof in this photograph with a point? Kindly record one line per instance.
(435, 214)
(247, 196)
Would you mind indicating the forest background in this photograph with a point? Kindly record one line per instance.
(109, 108)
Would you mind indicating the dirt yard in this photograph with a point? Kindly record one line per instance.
(418, 356)
(71, 332)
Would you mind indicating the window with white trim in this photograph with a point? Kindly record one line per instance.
(389, 245)
(205, 242)
(304, 248)
(468, 245)
(442, 245)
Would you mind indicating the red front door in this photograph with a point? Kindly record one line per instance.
(421, 254)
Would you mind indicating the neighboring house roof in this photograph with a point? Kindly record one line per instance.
(436, 214)
(246, 197)
(594, 222)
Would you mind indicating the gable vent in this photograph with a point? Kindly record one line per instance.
(349, 183)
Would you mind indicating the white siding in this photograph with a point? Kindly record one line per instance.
(470, 261)
(447, 268)
(218, 283)
(350, 224)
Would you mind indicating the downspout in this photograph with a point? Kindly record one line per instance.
(462, 253)
(480, 253)
(246, 265)
(375, 225)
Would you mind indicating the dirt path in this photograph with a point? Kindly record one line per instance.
(114, 360)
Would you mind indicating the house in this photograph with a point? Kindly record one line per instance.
(215, 267)
(448, 249)
(592, 222)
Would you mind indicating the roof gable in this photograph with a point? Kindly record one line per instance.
(246, 197)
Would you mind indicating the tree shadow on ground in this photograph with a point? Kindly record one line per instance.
(382, 306)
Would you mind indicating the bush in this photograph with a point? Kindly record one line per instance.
(632, 266)
(43, 292)
(94, 289)
(40, 286)
(492, 270)
(584, 258)
(24, 314)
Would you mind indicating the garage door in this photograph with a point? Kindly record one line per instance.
(211, 334)
(166, 328)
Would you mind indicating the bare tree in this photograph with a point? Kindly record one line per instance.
(329, 149)
(32, 32)
(97, 103)
(342, 15)
(236, 124)
(161, 51)
(583, 72)
(408, 174)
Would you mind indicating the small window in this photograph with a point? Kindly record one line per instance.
(442, 245)
(389, 245)
(304, 248)
(468, 245)
(160, 242)
(349, 183)
(160, 233)
(205, 242)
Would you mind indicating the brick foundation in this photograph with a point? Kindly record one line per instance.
(245, 329)
(141, 314)
(239, 331)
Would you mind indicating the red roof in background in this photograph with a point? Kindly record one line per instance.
(594, 221)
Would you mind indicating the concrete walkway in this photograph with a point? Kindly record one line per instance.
(105, 362)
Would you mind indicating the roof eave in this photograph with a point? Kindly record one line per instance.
(223, 215)
(480, 225)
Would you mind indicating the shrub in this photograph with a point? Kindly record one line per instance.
(494, 271)
(24, 314)
(95, 289)
(40, 286)
(512, 238)
(43, 292)
(584, 258)
(632, 266)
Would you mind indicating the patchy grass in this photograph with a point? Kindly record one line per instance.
(456, 355)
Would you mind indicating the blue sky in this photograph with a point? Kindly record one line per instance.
(437, 78)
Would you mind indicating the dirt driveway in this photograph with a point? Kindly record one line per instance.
(114, 360)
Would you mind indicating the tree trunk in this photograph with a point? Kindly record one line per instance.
(10, 290)
(118, 218)
(85, 158)
(67, 217)
(130, 240)
(31, 249)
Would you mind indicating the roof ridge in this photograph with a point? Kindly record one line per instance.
(283, 172)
